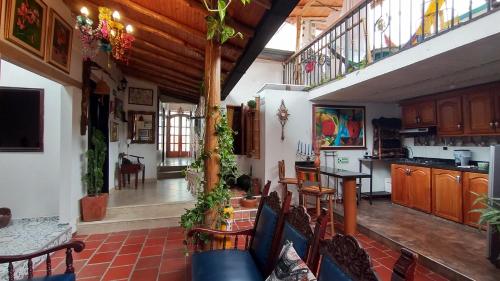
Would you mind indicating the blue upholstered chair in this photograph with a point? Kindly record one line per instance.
(68, 275)
(342, 259)
(255, 261)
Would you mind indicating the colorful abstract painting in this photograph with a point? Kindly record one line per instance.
(60, 40)
(26, 24)
(339, 127)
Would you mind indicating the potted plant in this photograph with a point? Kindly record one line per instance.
(490, 214)
(252, 104)
(249, 200)
(93, 206)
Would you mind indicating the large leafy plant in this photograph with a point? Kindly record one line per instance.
(489, 212)
(94, 178)
(219, 197)
(216, 21)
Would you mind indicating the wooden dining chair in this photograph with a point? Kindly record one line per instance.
(284, 181)
(312, 176)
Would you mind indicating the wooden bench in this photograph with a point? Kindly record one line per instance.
(69, 273)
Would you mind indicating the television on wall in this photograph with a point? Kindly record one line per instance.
(21, 119)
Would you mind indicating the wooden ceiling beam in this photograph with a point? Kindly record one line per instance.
(161, 82)
(246, 30)
(266, 4)
(169, 93)
(166, 70)
(162, 75)
(196, 68)
(167, 77)
(178, 67)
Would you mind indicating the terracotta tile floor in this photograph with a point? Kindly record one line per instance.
(159, 254)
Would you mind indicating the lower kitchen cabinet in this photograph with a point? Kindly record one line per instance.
(400, 192)
(447, 194)
(477, 183)
(411, 187)
(419, 185)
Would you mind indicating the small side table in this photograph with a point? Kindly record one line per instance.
(370, 194)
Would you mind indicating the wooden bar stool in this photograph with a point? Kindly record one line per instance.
(284, 181)
(313, 175)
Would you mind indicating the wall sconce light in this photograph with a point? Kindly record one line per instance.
(123, 85)
(283, 118)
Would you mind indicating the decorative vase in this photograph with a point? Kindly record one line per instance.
(5, 216)
(94, 207)
(248, 202)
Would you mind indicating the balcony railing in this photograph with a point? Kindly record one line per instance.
(376, 29)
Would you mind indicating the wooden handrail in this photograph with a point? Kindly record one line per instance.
(78, 246)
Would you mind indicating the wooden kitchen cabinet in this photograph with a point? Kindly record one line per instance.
(449, 116)
(419, 114)
(447, 194)
(477, 183)
(400, 192)
(480, 116)
(418, 182)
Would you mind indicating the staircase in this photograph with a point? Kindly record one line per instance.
(135, 217)
(170, 172)
(242, 213)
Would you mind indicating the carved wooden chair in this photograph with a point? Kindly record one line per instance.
(297, 229)
(284, 181)
(254, 260)
(343, 259)
(128, 167)
(315, 189)
(69, 274)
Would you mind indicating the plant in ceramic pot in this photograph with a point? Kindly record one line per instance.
(93, 206)
(490, 214)
(249, 200)
(252, 104)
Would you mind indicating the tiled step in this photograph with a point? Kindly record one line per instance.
(170, 172)
(242, 213)
(137, 217)
(170, 175)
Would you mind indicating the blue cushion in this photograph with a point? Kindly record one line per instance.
(59, 277)
(264, 234)
(299, 241)
(329, 270)
(222, 265)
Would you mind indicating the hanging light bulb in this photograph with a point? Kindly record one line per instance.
(129, 28)
(116, 15)
(84, 11)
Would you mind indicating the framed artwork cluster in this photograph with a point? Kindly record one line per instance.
(140, 96)
(30, 25)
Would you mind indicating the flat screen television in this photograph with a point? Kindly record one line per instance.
(21, 119)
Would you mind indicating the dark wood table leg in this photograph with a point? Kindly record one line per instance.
(350, 208)
(119, 180)
(143, 174)
(136, 179)
(128, 176)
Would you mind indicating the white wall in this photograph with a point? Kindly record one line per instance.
(47, 183)
(148, 151)
(259, 73)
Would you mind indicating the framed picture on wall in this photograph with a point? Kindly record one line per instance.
(113, 134)
(140, 96)
(60, 39)
(339, 127)
(118, 111)
(25, 24)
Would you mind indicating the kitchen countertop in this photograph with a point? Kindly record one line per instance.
(438, 164)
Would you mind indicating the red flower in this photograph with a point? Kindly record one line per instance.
(354, 128)
(328, 128)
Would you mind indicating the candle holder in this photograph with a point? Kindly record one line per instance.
(305, 152)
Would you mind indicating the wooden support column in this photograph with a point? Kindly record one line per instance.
(86, 88)
(298, 33)
(212, 99)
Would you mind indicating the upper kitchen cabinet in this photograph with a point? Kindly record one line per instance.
(480, 116)
(449, 115)
(419, 113)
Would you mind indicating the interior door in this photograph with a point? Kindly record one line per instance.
(179, 139)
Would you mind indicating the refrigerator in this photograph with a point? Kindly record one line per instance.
(494, 191)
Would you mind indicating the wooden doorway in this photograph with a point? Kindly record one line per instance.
(178, 134)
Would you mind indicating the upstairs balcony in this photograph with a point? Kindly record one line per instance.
(374, 40)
